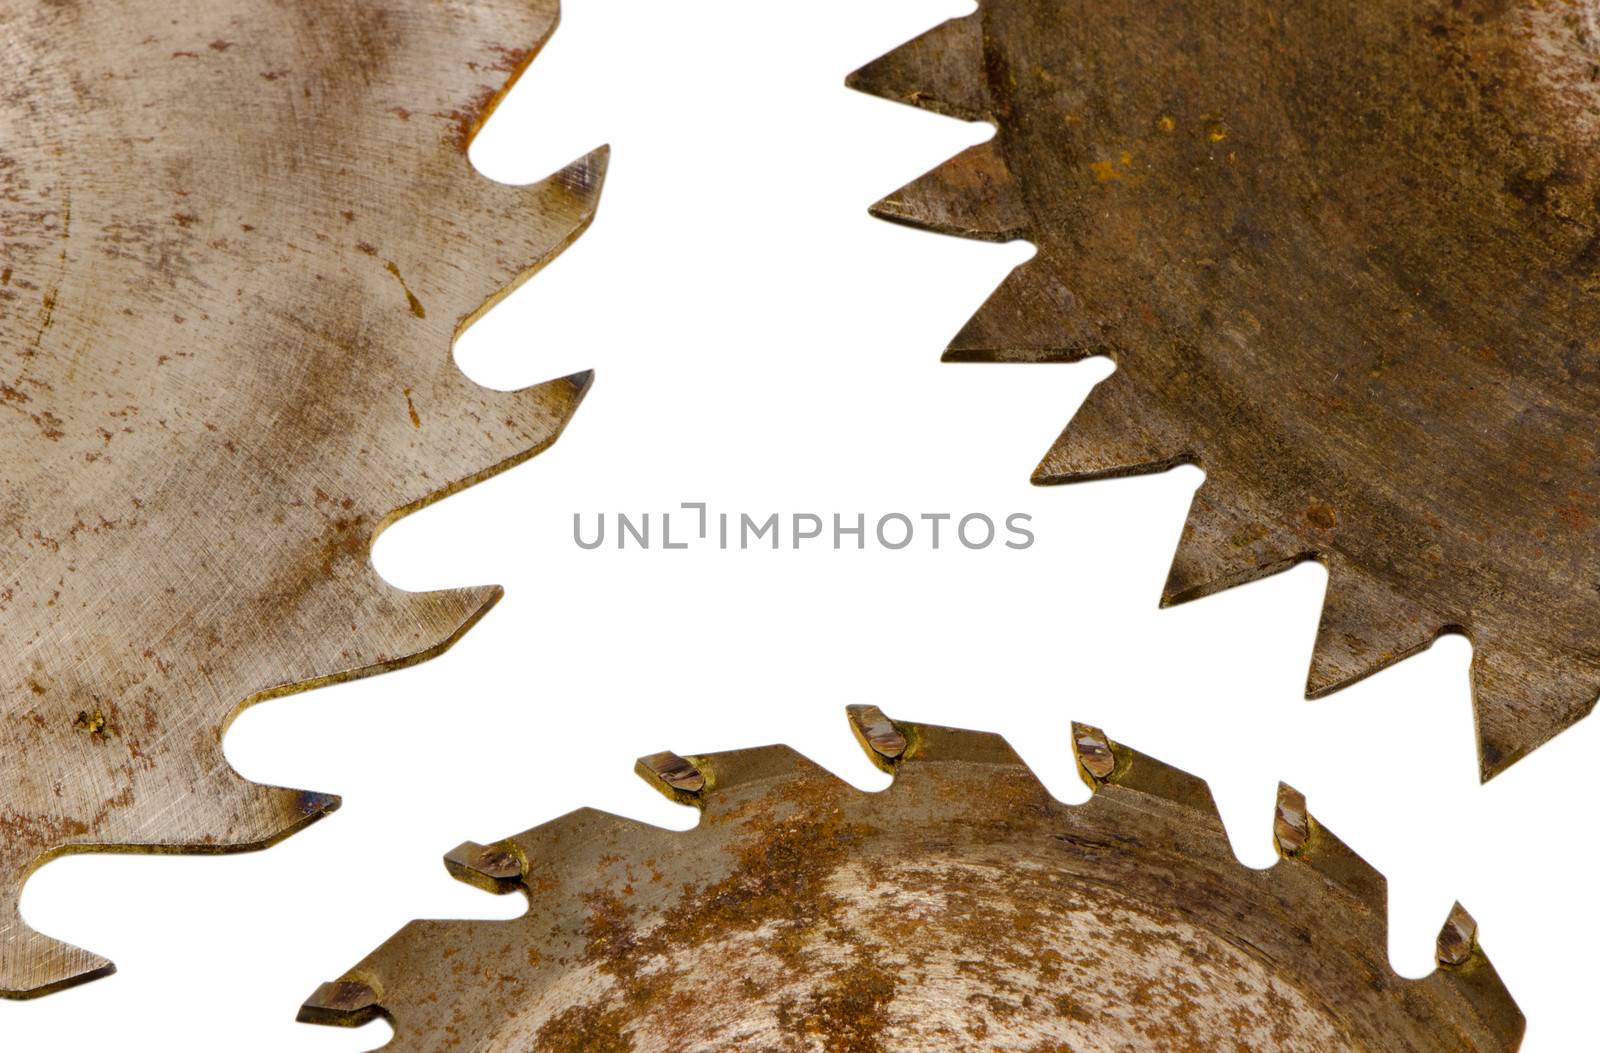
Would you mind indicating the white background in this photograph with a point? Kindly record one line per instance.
(763, 345)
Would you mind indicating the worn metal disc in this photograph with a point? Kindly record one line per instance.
(962, 908)
(1347, 259)
(237, 239)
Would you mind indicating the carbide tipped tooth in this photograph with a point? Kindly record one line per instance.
(1458, 939)
(677, 777)
(496, 868)
(1336, 862)
(972, 195)
(882, 739)
(745, 890)
(1031, 317)
(341, 1003)
(1113, 434)
(1291, 822)
(1142, 774)
(940, 71)
(1097, 758)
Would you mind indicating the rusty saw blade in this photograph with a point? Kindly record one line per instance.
(962, 908)
(1347, 259)
(237, 241)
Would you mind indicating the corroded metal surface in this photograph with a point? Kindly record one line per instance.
(237, 240)
(1347, 259)
(962, 908)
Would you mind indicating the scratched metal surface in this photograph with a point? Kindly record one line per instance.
(1347, 259)
(962, 908)
(237, 240)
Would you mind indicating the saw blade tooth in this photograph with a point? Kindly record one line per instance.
(49, 964)
(398, 629)
(1303, 840)
(498, 867)
(623, 900)
(1098, 757)
(472, 433)
(1133, 772)
(402, 970)
(502, 235)
(1458, 939)
(1113, 434)
(940, 71)
(1522, 698)
(260, 816)
(342, 1003)
(1031, 317)
(972, 195)
(1291, 822)
(1463, 964)
(1365, 626)
(679, 779)
(251, 815)
(1226, 543)
(883, 741)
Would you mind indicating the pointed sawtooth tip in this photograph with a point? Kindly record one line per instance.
(940, 71)
(93, 967)
(1031, 316)
(341, 1003)
(559, 400)
(972, 195)
(1226, 543)
(1365, 626)
(1493, 762)
(1114, 433)
(310, 807)
(1522, 699)
(585, 177)
(315, 805)
(580, 383)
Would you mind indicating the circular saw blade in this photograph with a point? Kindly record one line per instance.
(962, 908)
(237, 240)
(1345, 259)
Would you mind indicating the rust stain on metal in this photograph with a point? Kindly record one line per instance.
(1359, 286)
(962, 908)
(204, 212)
